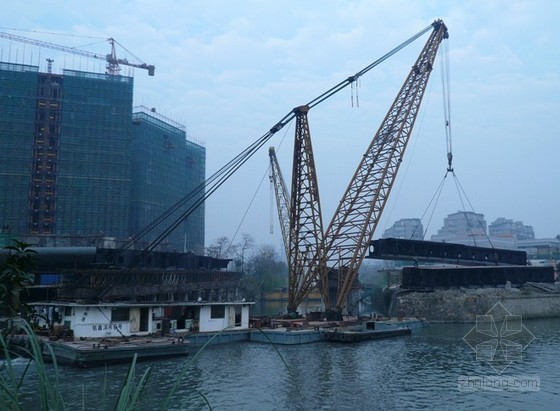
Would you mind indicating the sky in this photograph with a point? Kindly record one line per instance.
(229, 70)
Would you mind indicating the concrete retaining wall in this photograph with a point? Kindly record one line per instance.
(463, 305)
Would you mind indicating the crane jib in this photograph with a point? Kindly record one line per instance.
(112, 61)
(330, 262)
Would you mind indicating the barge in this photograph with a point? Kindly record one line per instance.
(302, 332)
(85, 354)
(373, 330)
(87, 335)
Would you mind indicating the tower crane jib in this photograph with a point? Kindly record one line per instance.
(113, 62)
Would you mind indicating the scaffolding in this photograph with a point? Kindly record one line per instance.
(94, 155)
(46, 139)
(78, 166)
(166, 166)
(18, 98)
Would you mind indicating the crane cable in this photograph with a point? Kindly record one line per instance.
(55, 34)
(269, 170)
(266, 174)
(199, 195)
(445, 85)
(444, 64)
(445, 81)
(447, 114)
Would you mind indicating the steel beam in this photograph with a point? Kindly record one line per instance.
(432, 251)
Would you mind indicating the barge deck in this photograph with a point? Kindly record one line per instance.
(88, 353)
(350, 336)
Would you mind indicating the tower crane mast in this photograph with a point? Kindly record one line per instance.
(113, 62)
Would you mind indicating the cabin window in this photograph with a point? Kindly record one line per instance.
(120, 314)
(217, 311)
(67, 311)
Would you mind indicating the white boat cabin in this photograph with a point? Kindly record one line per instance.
(125, 319)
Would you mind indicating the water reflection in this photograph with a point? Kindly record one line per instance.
(413, 372)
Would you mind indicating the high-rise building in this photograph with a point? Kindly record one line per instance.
(18, 99)
(166, 167)
(77, 165)
(462, 227)
(92, 133)
(407, 228)
(545, 249)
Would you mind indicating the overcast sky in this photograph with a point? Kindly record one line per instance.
(229, 70)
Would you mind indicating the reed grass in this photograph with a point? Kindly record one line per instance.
(131, 394)
(10, 383)
(50, 397)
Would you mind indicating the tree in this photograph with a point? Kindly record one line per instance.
(265, 271)
(241, 250)
(220, 248)
(268, 267)
(14, 277)
(263, 268)
(251, 287)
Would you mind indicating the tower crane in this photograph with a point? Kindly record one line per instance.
(343, 246)
(113, 62)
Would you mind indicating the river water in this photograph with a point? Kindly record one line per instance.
(414, 372)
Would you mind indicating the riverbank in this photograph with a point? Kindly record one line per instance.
(532, 301)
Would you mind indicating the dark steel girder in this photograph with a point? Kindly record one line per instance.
(450, 253)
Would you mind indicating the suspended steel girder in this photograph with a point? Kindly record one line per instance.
(306, 225)
(435, 251)
(351, 229)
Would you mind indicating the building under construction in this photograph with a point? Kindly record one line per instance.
(81, 166)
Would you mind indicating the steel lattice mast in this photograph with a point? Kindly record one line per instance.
(306, 224)
(282, 198)
(348, 236)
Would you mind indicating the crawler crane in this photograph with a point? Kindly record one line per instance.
(330, 261)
